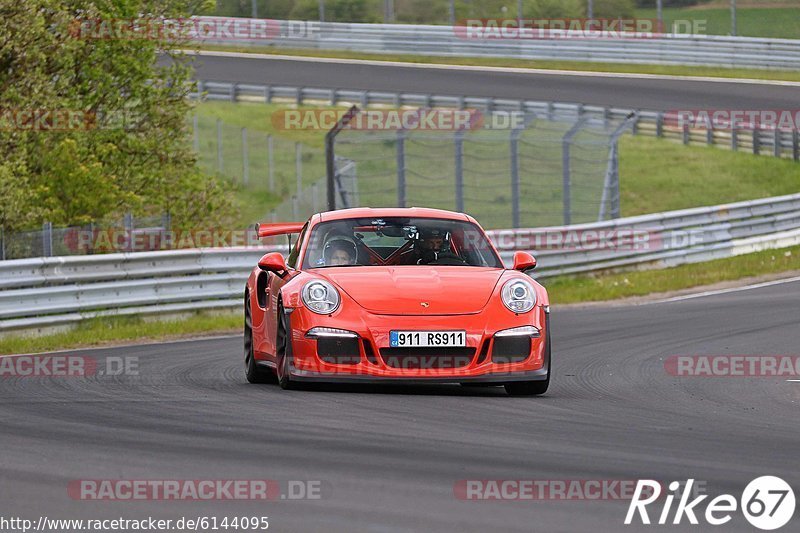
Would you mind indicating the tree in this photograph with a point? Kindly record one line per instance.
(130, 149)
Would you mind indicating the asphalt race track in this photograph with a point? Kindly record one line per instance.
(388, 458)
(625, 92)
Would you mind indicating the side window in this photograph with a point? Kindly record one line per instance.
(291, 261)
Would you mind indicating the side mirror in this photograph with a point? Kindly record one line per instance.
(272, 262)
(523, 261)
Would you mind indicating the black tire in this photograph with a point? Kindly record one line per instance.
(253, 372)
(533, 388)
(284, 352)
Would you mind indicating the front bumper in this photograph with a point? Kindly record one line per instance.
(479, 362)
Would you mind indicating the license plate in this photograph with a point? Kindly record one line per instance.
(427, 339)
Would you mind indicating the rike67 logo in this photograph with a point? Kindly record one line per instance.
(767, 503)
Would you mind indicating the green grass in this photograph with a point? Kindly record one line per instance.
(98, 332)
(775, 22)
(602, 287)
(662, 175)
(667, 70)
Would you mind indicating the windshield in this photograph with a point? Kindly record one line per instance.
(399, 241)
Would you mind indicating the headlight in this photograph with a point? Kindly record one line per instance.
(321, 297)
(519, 296)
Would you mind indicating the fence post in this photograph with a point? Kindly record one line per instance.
(514, 146)
(195, 134)
(734, 139)
(314, 197)
(298, 167)
(47, 239)
(795, 145)
(127, 221)
(686, 136)
(566, 178)
(756, 141)
(778, 143)
(401, 168)
(219, 145)
(271, 162)
(245, 158)
(709, 132)
(459, 177)
(660, 124)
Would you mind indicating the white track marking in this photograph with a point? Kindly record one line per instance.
(725, 291)
(476, 68)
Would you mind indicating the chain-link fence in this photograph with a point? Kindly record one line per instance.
(128, 234)
(548, 170)
(254, 159)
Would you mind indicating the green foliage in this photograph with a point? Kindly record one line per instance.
(130, 152)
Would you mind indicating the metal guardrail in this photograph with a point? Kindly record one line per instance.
(764, 141)
(663, 49)
(45, 292)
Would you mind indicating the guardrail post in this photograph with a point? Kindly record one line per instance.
(299, 99)
(364, 99)
(333, 97)
(795, 145)
(686, 136)
(709, 132)
(459, 177)
(219, 145)
(734, 139)
(47, 239)
(778, 143)
(401, 168)
(271, 162)
(660, 124)
(267, 94)
(245, 158)
(756, 141)
(232, 92)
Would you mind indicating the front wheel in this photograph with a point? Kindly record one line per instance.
(253, 372)
(284, 352)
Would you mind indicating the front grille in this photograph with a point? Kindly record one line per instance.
(511, 349)
(339, 351)
(423, 358)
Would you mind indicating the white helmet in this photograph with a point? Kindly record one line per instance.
(342, 242)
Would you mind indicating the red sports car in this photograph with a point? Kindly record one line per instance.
(395, 295)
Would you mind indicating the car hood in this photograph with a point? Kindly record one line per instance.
(405, 290)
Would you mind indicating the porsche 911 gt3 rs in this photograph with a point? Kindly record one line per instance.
(396, 295)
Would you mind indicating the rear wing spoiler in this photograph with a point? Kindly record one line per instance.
(281, 228)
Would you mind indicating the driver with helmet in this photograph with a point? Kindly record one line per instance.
(339, 250)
